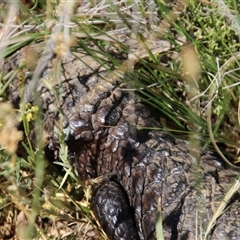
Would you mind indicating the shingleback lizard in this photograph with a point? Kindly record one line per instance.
(141, 170)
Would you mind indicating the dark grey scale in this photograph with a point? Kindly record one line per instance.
(80, 129)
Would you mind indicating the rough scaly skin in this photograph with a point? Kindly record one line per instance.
(142, 169)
